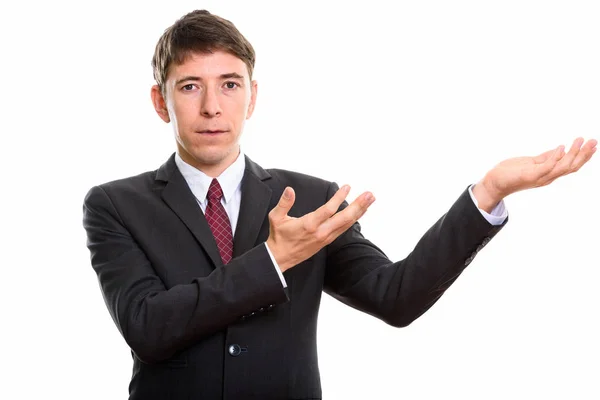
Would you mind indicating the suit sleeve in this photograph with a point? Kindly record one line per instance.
(157, 322)
(360, 275)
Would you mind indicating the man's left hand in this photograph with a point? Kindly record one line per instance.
(521, 173)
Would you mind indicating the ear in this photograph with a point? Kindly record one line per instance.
(160, 105)
(253, 93)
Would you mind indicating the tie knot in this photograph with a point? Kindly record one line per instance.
(215, 193)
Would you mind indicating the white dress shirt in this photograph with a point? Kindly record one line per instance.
(231, 183)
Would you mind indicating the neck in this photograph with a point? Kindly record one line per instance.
(212, 170)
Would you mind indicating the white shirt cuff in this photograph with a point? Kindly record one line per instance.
(283, 282)
(498, 214)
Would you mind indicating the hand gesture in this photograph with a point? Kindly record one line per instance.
(293, 240)
(520, 173)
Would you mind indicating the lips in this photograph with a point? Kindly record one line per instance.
(211, 131)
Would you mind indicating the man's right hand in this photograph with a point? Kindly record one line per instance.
(293, 240)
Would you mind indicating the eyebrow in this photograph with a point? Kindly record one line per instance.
(230, 75)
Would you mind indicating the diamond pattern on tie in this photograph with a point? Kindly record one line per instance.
(219, 221)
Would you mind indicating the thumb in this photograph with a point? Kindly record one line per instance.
(285, 204)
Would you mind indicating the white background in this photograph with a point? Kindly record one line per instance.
(413, 101)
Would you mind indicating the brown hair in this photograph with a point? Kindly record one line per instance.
(198, 32)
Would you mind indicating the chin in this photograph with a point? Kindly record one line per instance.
(212, 158)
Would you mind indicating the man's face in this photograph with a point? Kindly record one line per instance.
(207, 98)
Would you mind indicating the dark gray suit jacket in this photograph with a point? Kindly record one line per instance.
(201, 330)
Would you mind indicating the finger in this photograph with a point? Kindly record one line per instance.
(314, 219)
(539, 159)
(346, 226)
(367, 199)
(573, 152)
(563, 167)
(586, 153)
(549, 164)
(592, 143)
(284, 205)
(344, 219)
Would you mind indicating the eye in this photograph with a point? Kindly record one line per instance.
(188, 87)
(231, 85)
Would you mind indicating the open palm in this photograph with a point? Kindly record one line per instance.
(520, 173)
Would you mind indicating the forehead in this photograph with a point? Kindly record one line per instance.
(208, 65)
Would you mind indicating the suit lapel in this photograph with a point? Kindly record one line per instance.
(256, 198)
(180, 199)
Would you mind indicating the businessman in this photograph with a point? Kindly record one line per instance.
(212, 267)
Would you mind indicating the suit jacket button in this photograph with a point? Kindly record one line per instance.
(235, 350)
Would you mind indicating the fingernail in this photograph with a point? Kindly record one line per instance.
(346, 188)
(369, 197)
(286, 194)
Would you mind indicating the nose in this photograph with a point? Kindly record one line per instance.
(210, 106)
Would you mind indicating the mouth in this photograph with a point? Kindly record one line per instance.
(211, 132)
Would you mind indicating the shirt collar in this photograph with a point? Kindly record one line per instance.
(198, 181)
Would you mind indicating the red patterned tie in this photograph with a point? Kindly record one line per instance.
(219, 221)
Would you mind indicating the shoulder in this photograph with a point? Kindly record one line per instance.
(298, 178)
(135, 182)
(136, 187)
(132, 187)
(279, 178)
(311, 191)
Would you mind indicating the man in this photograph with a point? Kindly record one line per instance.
(212, 267)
